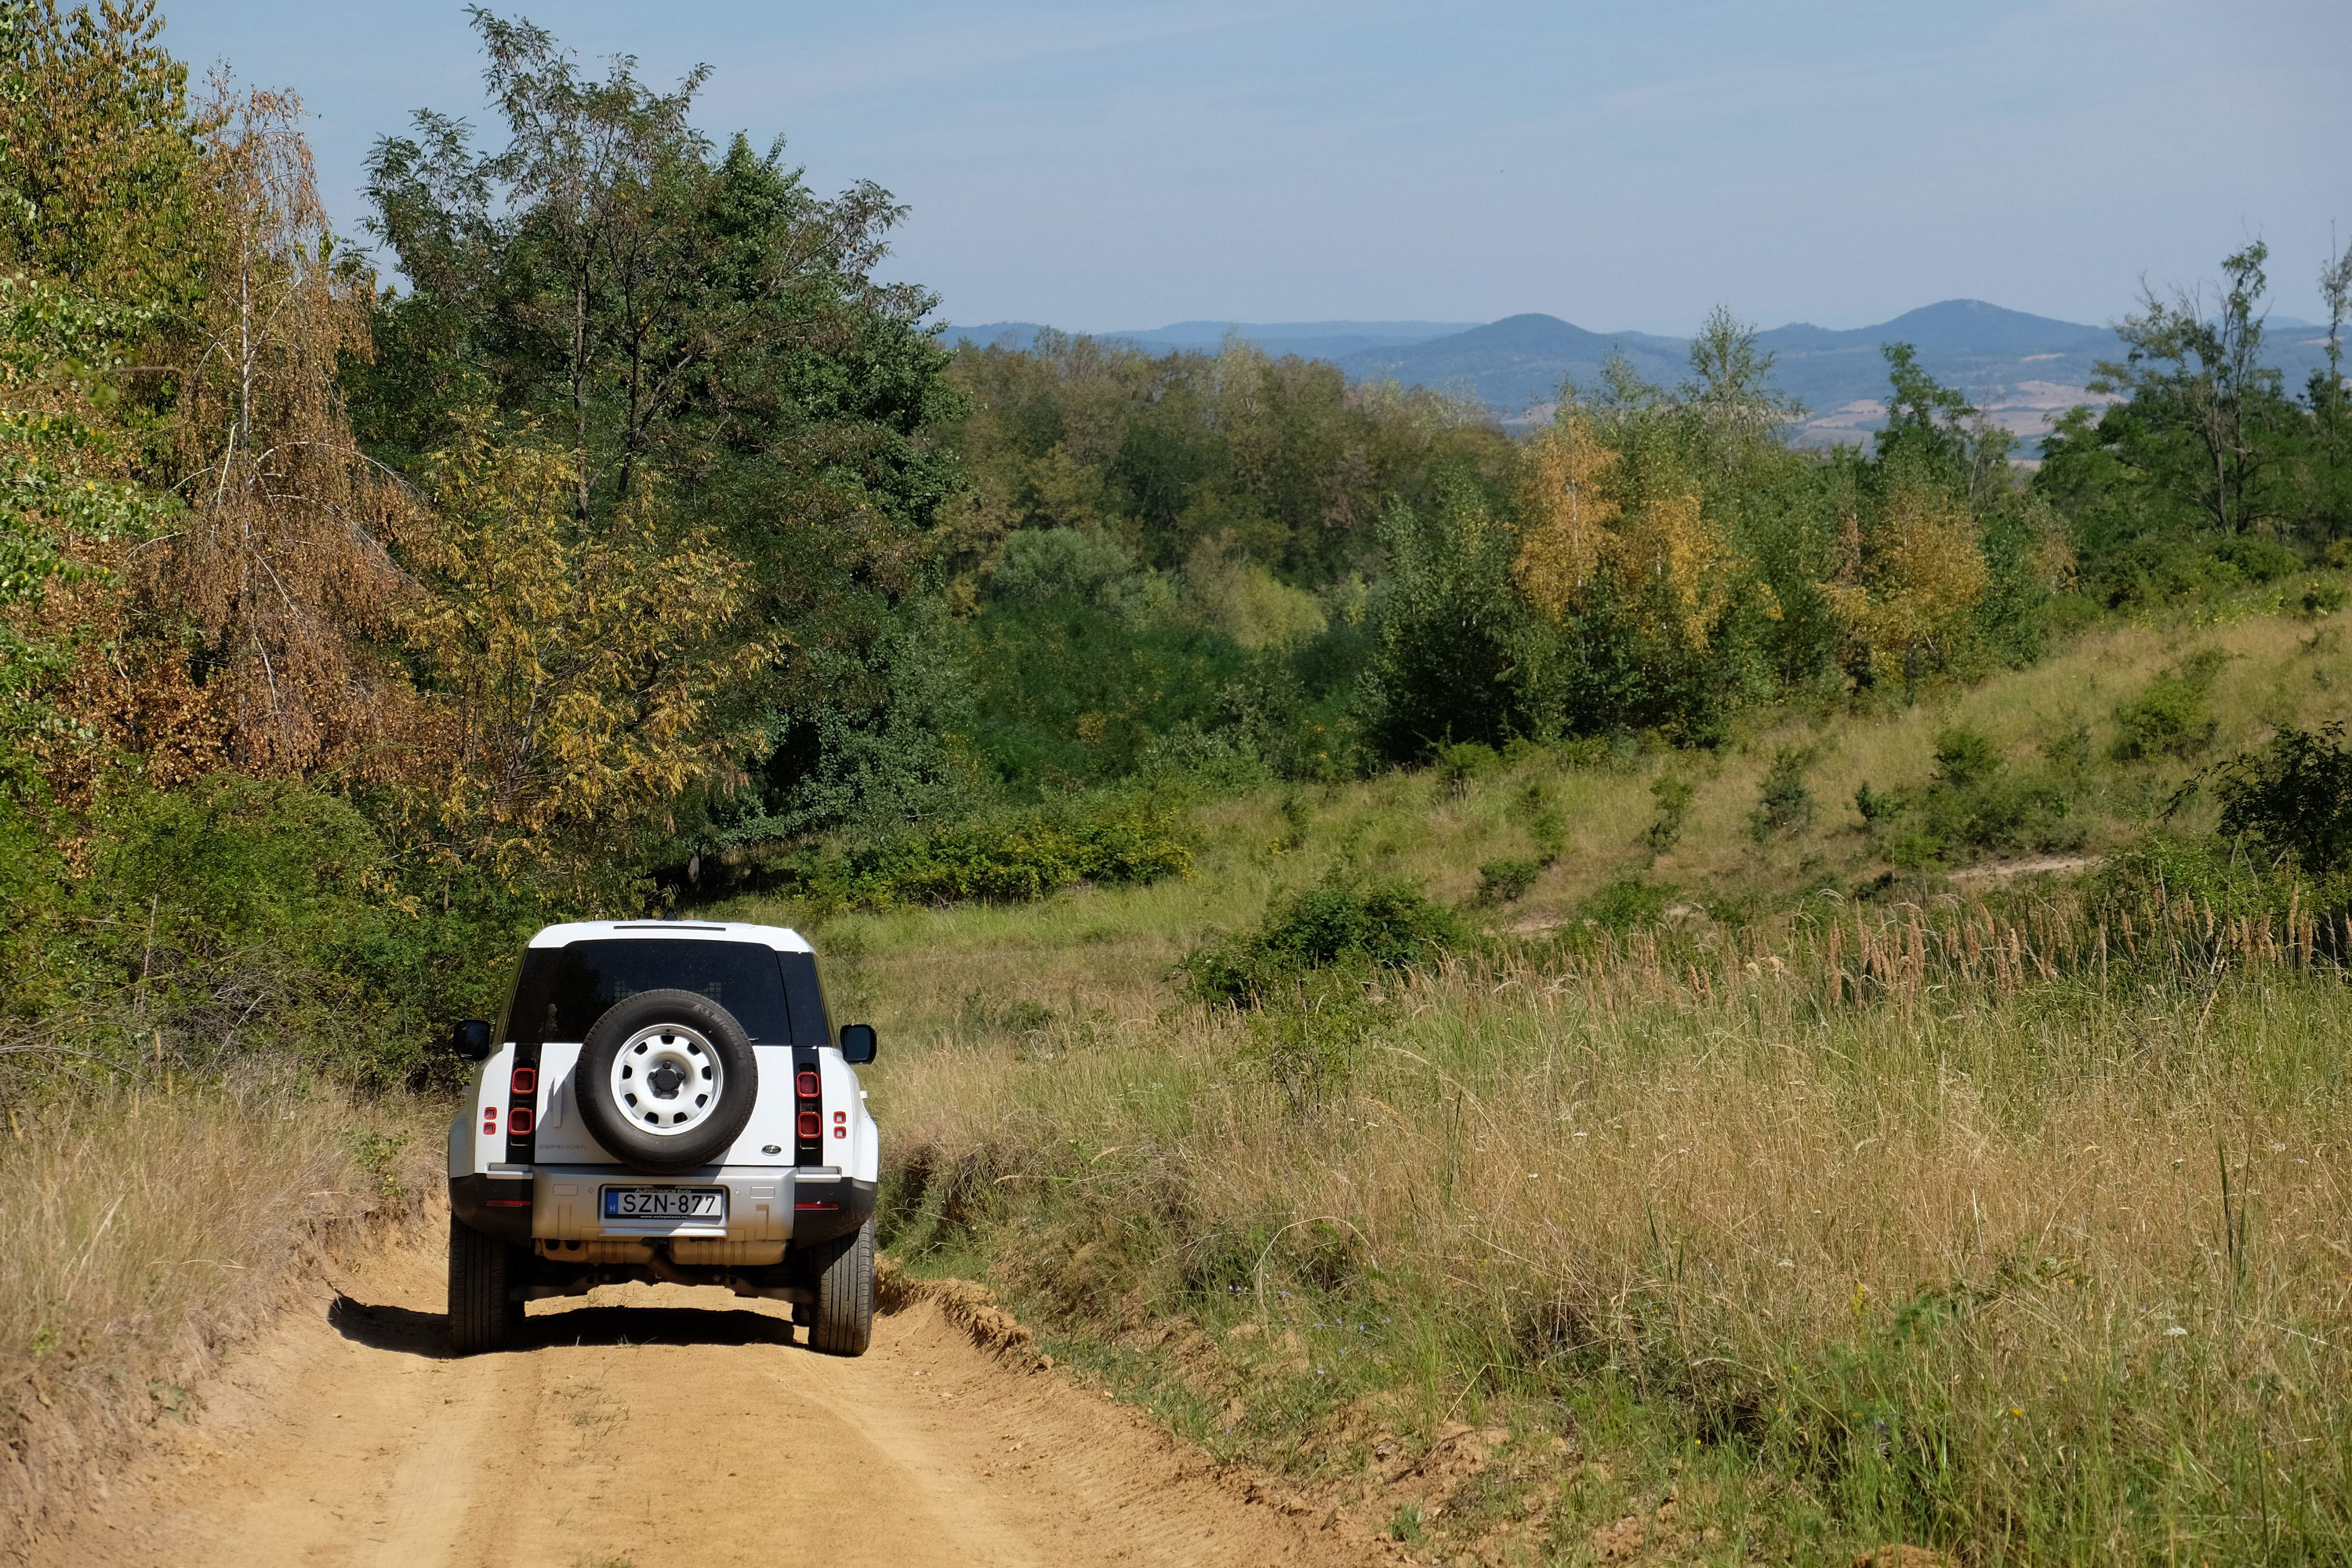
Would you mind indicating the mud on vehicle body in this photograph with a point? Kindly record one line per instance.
(664, 1101)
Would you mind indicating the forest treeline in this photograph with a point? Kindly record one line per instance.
(599, 527)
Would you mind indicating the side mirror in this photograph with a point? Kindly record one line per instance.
(858, 1043)
(470, 1039)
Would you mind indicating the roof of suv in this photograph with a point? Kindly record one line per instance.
(777, 937)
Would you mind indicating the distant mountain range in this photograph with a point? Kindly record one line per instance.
(1308, 340)
(2022, 369)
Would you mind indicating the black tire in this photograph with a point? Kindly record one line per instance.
(844, 1321)
(729, 1059)
(483, 1306)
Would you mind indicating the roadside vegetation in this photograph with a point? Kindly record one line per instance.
(1631, 973)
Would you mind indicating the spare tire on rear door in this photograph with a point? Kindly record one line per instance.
(666, 1082)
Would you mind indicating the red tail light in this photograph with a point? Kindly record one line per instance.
(491, 1120)
(519, 1123)
(807, 1085)
(812, 1125)
(526, 1081)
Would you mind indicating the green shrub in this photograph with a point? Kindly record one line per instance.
(2323, 597)
(2258, 560)
(1674, 798)
(239, 916)
(1544, 821)
(2292, 797)
(1964, 758)
(1973, 804)
(1012, 859)
(2170, 718)
(1784, 806)
(1345, 924)
(1462, 762)
(1628, 902)
(1505, 881)
(1307, 1036)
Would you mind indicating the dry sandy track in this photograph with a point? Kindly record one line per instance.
(663, 1426)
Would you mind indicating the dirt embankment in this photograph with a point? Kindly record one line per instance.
(683, 1427)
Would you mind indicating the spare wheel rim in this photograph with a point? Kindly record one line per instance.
(667, 1080)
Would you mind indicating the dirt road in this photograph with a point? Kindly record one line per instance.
(658, 1427)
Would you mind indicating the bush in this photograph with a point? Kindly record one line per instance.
(1345, 924)
(1628, 902)
(1012, 859)
(1505, 881)
(2258, 560)
(1973, 804)
(2170, 719)
(239, 916)
(1674, 798)
(2294, 798)
(1462, 762)
(1784, 806)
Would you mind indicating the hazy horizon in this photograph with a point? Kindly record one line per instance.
(1830, 163)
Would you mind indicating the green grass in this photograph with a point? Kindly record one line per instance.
(1833, 1210)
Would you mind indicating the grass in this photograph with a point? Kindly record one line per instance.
(1800, 1223)
(144, 1230)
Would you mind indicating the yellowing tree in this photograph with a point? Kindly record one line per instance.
(1661, 555)
(1907, 575)
(570, 671)
(1565, 512)
(279, 581)
(1674, 566)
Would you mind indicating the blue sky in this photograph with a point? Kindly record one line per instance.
(1626, 166)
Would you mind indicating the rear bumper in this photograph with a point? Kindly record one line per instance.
(565, 1202)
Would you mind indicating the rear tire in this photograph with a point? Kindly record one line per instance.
(844, 1319)
(483, 1309)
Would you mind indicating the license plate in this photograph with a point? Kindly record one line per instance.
(665, 1203)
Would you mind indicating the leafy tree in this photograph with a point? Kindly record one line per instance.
(694, 326)
(1457, 658)
(69, 510)
(570, 676)
(1909, 573)
(97, 191)
(2293, 796)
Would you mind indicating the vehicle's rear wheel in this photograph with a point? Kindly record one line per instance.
(844, 1298)
(666, 1082)
(483, 1307)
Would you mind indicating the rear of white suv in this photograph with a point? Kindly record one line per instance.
(664, 1101)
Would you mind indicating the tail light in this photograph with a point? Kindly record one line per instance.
(490, 1121)
(522, 1111)
(808, 1125)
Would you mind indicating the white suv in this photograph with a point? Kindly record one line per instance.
(664, 1101)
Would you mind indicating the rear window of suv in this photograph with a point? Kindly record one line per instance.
(562, 991)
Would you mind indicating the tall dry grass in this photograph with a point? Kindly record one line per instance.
(143, 1230)
(1939, 1227)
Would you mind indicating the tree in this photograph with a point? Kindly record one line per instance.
(278, 581)
(1456, 657)
(691, 325)
(1937, 433)
(1731, 392)
(572, 677)
(1908, 573)
(70, 510)
(97, 150)
(1566, 513)
(2194, 374)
